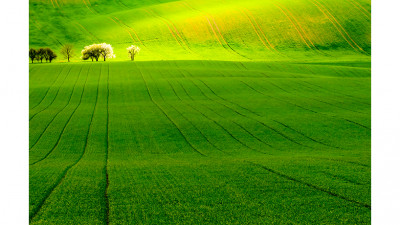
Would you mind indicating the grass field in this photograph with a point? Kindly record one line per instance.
(255, 112)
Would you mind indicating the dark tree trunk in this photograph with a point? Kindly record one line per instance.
(68, 58)
(104, 58)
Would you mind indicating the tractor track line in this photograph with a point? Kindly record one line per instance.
(218, 123)
(69, 100)
(265, 125)
(199, 129)
(306, 136)
(223, 117)
(301, 28)
(216, 26)
(255, 30)
(166, 115)
(169, 28)
(310, 185)
(91, 34)
(107, 200)
(132, 30)
(72, 165)
(326, 115)
(291, 21)
(336, 26)
(54, 96)
(233, 103)
(360, 9)
(62, 131)
(336, 92)
(176, 30)
(262, 123)
(345, 161)
(58, 75)
(331, 104)
(339, 95)
(262, 32)
(341, 178)
(123, 28)
(88, 7)
(344, 30)
(186, 117)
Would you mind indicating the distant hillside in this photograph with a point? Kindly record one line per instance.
(204, 29)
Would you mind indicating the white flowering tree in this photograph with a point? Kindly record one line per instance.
(94, 51)
(106, 51)
(133, 50)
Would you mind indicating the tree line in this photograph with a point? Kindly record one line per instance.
(93, 52)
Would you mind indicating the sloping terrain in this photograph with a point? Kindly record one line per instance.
(222, 30)
(235, 112)
(199, 142)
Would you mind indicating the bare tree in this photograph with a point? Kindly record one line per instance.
(32, 54)
(40, 54)
(50, 55)
(67, 51)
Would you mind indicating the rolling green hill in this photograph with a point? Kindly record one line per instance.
(219, 30)
(235, 112)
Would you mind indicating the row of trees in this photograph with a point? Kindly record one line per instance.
(42, 53)
(94, 51)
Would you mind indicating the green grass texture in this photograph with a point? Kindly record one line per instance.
(234, 112)
(207, 29)
(200, 142)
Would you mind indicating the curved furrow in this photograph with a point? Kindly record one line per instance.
(327, 103)
(323, 9)
(345, 161)
(69, 100)
(123, 28)
(181, 114)
(44, 96)
(65, 172)
(220, 124)
(347, 180)
(336, 92)
(310, 110)
(360, 8)
(151, 13)
(306, 136)
(222, 36)
(243, 128)
(315, 187)
(259, 28)
(58, 90)
(226, 100)
(291, 21)
(206, 15)
(260, 122)
(176, 31)
(90, 33)
(133, 32)
(166, 115)
(337, 22)
(63, 129)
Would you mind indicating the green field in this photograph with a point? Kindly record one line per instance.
(255, 112)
